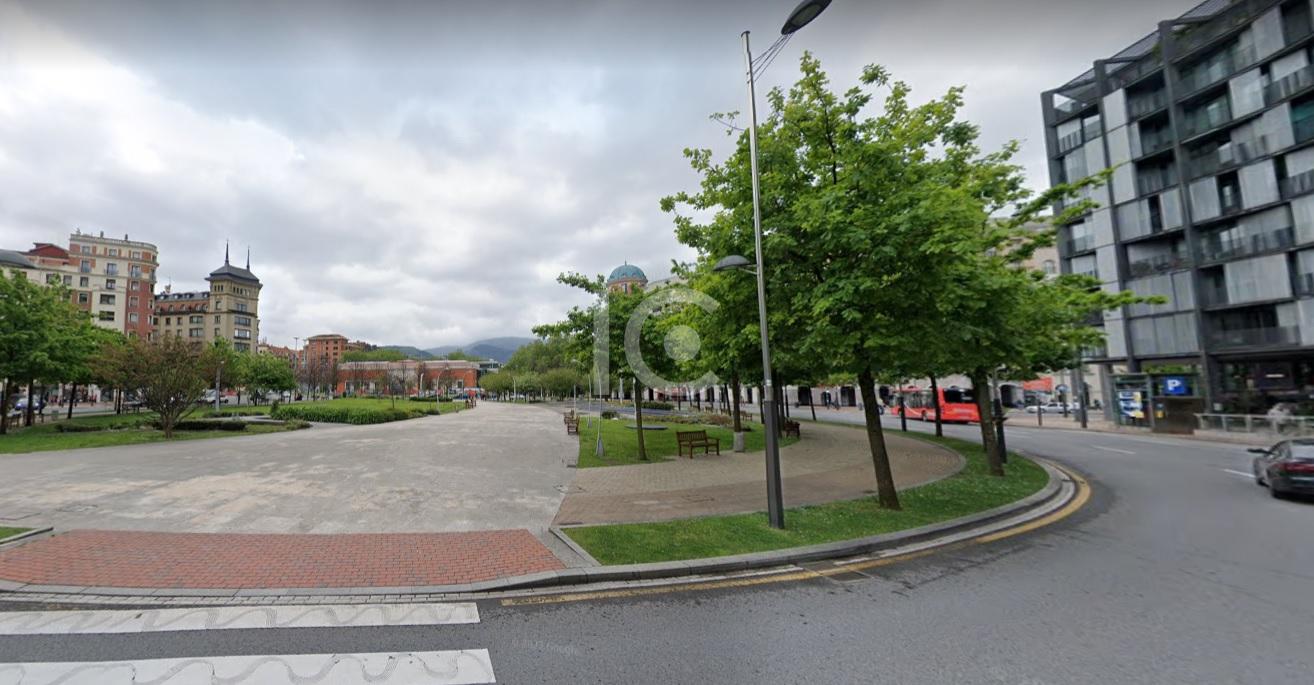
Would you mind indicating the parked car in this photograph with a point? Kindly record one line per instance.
(1286, 468)
(209, 398)
(1051, 408)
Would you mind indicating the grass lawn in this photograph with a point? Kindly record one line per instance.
(621, 444)
(7, 532)
(125, 429)
(969, 491)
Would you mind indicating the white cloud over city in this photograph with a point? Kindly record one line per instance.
(418, 173)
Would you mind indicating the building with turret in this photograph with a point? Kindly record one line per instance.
(627, 278)
(229, 310)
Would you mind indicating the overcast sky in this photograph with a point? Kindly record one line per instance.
(418, 173)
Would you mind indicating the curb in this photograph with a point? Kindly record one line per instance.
(1057, 492)
(25, 535)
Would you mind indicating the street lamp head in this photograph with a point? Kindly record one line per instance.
(732, 263)
(802, 15)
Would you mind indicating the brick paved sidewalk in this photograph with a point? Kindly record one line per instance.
(134, 559)
(830, 463)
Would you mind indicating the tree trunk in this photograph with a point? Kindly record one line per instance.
(72, 398)
(638, 418)
(880, 456)
(935, 402)
(981, 391)
(734, 401)
(4, 406)
(27, 413)
(812, 404)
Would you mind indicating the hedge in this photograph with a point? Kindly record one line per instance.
(201, 425)
(352, 415)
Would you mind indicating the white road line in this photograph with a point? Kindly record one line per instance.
(463, 667)
(236, 617)
(1112, 449)
(1243, 474)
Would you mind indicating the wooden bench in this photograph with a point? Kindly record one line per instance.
(572, 426)
(694, 439)
(792, 428)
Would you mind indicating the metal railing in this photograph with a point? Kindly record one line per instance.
(1217, 248)
(1300, 184)
(1205, 119)
(1290, 426)
(1145, 104)
(1157, 265)
(1197, 79)
(1156, 142)
(1071, 142)
(1304, 285)
(1252, 337)
(1153, 181)
(1288, 85)
(1083, 243)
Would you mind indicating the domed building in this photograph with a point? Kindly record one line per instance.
(627, 278)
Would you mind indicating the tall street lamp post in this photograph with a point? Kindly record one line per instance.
(804, 13)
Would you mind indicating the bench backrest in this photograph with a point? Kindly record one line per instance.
(690, 436)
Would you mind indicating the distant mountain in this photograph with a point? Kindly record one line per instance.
(409, 351)
(500, 349)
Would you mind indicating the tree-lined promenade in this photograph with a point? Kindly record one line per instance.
(894, 248)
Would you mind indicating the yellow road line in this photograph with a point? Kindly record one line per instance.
(1082, 496)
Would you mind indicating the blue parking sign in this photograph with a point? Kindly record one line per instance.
(1175, 385)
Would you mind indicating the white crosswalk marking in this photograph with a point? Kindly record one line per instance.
(235, 617)
(467, 666)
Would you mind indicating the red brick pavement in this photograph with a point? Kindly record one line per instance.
(133, 559)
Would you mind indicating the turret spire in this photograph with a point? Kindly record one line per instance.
(225, 253)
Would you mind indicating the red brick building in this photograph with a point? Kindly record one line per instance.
(408, 377)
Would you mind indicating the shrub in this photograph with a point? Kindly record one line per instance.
(356, 416)
(78, 427)
(663, 406)
(203, 425)
(296, 424)
(608, 414)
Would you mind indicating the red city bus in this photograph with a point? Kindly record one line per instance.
(957, 404)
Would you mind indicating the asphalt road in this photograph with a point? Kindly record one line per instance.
(1179, 570)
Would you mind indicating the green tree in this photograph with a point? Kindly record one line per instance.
(170, 375)
(266, 373)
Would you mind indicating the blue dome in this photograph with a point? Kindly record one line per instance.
(626, 272)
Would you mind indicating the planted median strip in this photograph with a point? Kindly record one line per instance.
(970, 491)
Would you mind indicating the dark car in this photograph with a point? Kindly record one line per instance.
(1287, 468)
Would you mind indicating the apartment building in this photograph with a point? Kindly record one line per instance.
(1208, 124)
(327, 349)
(229, 310)
(112, 279)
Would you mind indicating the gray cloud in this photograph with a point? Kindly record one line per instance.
(419, 172)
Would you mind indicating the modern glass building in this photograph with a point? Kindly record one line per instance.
(1208, 123)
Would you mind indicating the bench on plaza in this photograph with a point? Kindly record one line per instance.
(572, 424)
(792, 428)
(691, 440)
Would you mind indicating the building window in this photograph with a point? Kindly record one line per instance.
(133, 302)
(107, 315)
(52, 279)
(84, 282)
(136, 254)
(132, 317)
(195, 333)
(106, 299)
(110, 283)
(134, 286)
(1049, 267)
(114, 252)
(68, 280)
(195, 319)
(216, 334)
(168, 321)
(111, 269)
(85, 267)
(134, 271)
(219, 304)
(84, 298)
(242, 333)
(242, 321)
(218, 288)
(241, 306)
(86, 249)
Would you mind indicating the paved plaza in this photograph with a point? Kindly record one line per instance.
(496, 466)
